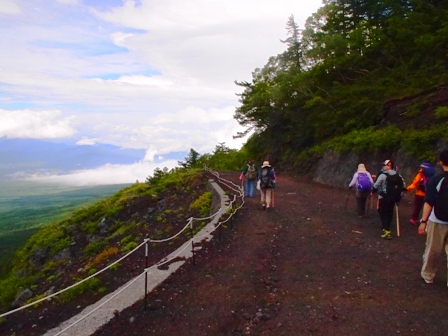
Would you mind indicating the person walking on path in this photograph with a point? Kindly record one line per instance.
(363, 182)
(267, 184)
(389, 186)
(250, 174)
(434, 222)
(419, 183)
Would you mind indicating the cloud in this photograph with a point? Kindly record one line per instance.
(108, 174)
(39, 125)
(9, 7)
(156, 75)
(86, 142)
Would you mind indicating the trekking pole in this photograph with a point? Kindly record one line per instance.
(398, 220)
(348, 195)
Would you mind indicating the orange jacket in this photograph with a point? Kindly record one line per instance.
(415, 183)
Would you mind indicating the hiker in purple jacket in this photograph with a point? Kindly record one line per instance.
(363, 182)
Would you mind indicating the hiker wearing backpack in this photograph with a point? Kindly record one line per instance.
(267, 184)
(434, 222)
(250, 174)
(390, 186)
(363, 182)
(419, 184)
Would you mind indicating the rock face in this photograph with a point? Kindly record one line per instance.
(38, 257)
(411, 112)
(21, 298)
(337, 169)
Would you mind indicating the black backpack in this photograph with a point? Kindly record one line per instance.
(394, 188)
(441, 206)
(266, 179)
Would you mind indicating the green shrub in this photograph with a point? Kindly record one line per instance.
(87, 286)
(115, 267)
(91, 271)
(203, 204)
(94, 247)
(129, 247)
(441, 112)
(90, 227)
(126, 240)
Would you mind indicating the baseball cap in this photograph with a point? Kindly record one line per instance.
(386, 162)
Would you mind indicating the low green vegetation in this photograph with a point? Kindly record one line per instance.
(107, 235)
(26, 207)
(203, 204)
(351, 72)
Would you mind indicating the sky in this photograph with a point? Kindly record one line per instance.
(156, 75)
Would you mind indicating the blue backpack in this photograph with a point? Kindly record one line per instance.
(364, 183)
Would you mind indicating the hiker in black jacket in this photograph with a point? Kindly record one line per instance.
(390, 186)
(434, 222)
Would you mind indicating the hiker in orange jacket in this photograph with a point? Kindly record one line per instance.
(419, 184)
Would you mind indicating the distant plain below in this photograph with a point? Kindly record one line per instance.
(25, 207)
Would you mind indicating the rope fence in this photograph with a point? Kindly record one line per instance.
(198, 238)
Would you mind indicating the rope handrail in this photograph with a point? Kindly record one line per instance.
(146, 240)
(74, 285)
(102, 304)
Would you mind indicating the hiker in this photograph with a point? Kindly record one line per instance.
(390, 186)
(419, 183)
(250, 174)
(434, 221)
(267, 184)
(363, 182)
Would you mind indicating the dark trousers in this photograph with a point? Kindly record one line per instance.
(361, 198)
(418, 205)
(386, 211)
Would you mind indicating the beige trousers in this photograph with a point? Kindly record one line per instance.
(266, 196)
(436, 241)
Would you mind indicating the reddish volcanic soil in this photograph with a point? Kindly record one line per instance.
(307, 267)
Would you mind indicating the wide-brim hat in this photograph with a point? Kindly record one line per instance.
(265, 164)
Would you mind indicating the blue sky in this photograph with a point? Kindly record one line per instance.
(154, 75)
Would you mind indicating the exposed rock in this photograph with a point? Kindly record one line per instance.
(161, 204)
(21, 298)
(21, 273)
(38, 257)
(63, 254)
(104, 225)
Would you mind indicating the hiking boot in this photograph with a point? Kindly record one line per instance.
(428, 281)
(264, 206)
(413, 221)
(386, 234)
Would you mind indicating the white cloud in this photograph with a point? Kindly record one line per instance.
(108, 174)
(9, 7)
(30, 124)
(69, 2)
(86, 142)
(157, 75)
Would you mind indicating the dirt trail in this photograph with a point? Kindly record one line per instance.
(306, 267)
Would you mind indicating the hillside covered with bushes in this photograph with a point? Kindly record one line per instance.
(95, 236)
(364, 76)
